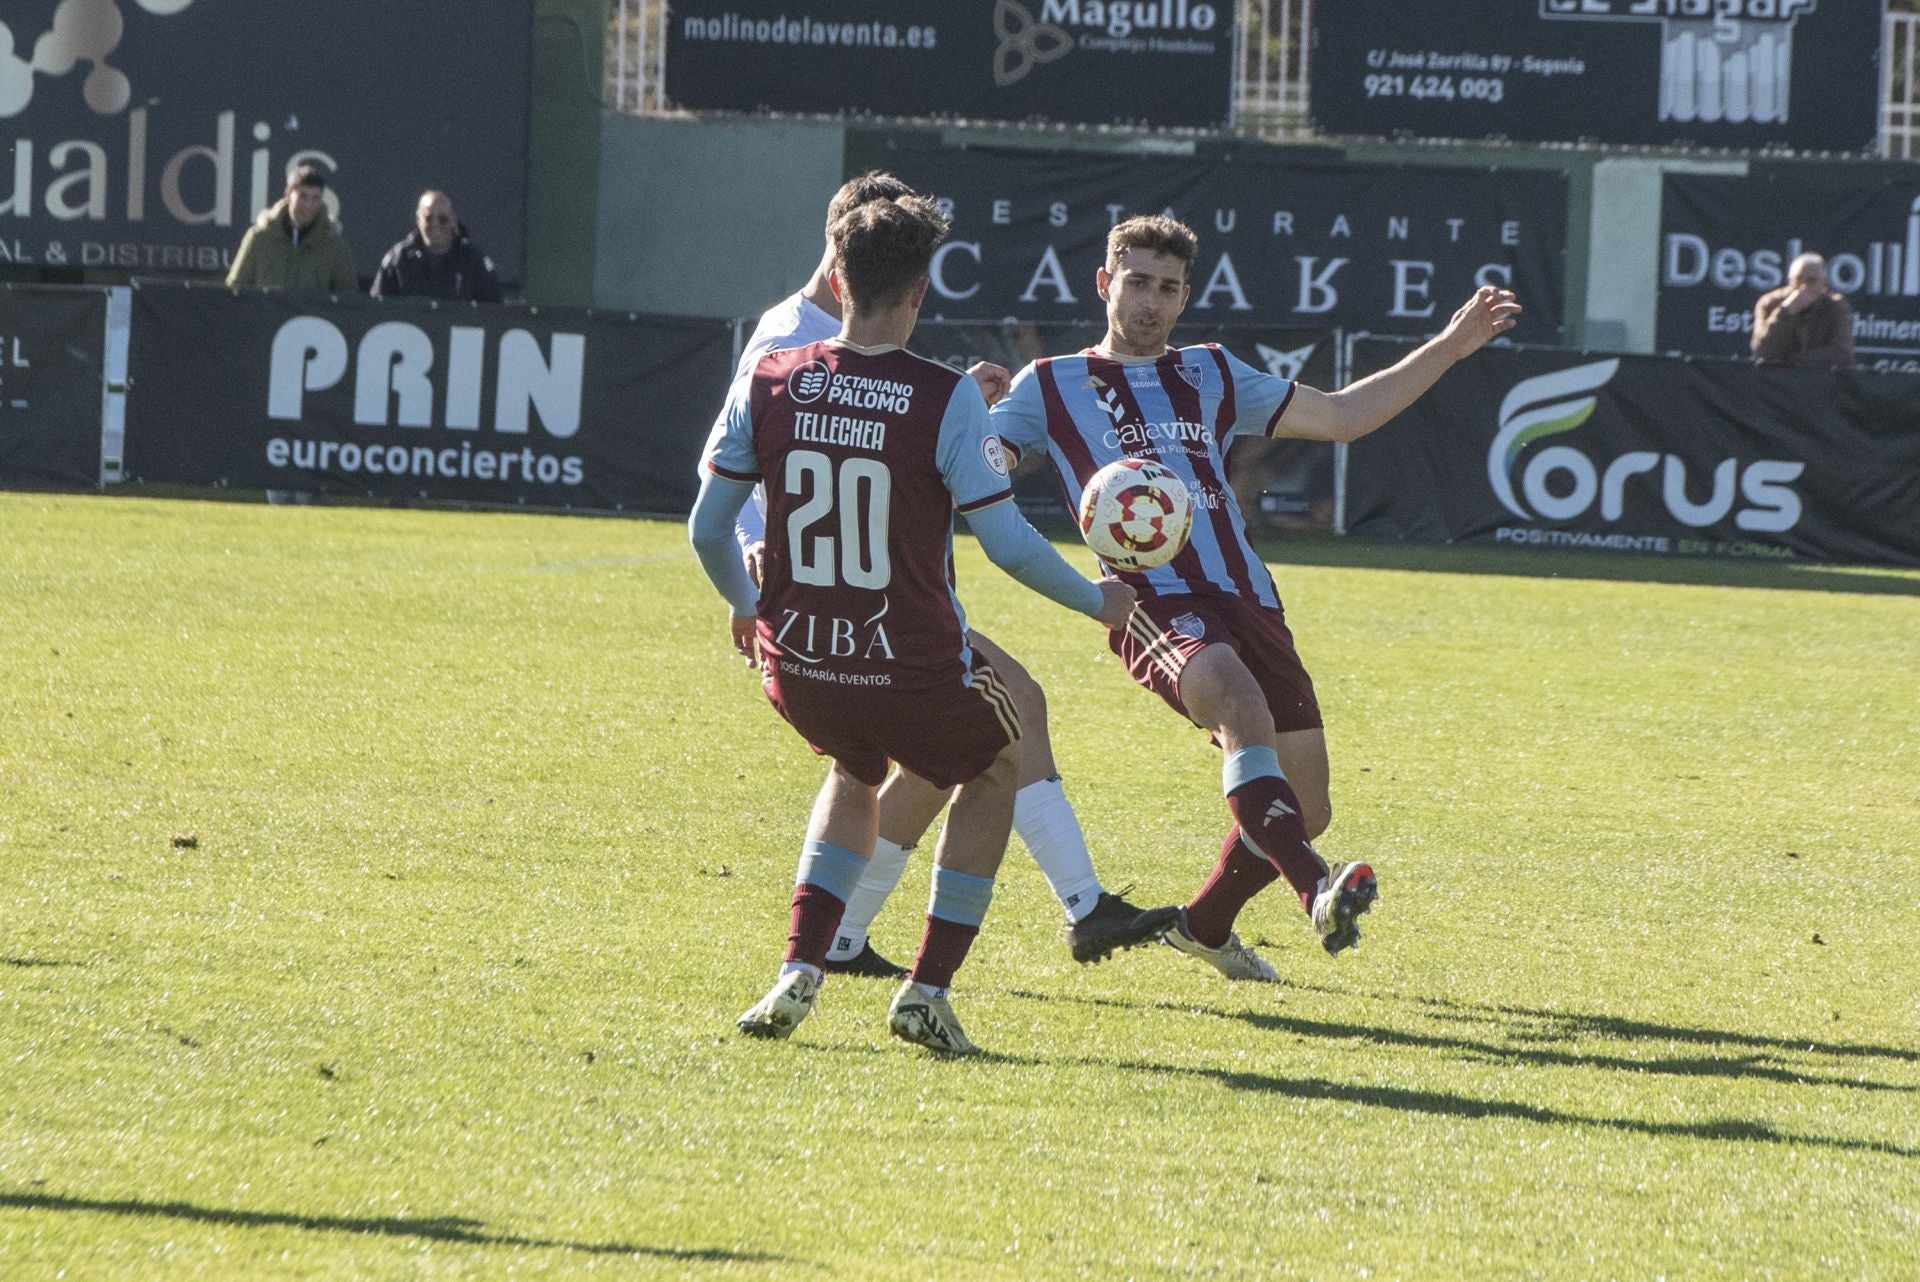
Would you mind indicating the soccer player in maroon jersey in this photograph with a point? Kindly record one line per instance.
(1209, 636)
(1098, 922)
(866, 451)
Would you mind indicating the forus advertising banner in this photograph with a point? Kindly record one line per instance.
(143, 136)
(1646, 454)
(1751, 74)
(52, 386)
(1278, 483)
(1391, 251)
(1726, 241)
(553, 407)
(1109, 62)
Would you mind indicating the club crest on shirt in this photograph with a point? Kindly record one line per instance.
(1190, 626)
(1190, 375)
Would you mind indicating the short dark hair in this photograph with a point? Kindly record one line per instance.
(881, 248)
(1155, 233)
(307, 175)
(873, 185)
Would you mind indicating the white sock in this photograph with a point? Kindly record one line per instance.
(1044, 818)
(810, 968)
(931, 991)
(876, 883)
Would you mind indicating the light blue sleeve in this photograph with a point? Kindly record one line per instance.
(1024, 553)
(710, 529)
(1259, 397)
(1020, 417)
(968, 455)
(729, 452)
(750, 527)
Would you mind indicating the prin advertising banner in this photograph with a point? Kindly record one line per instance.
(52, 386)
(1386, 250)
(1749, 74)
(550, 406)
(1162, 63)
(1646, 454)
(1725, 241)
(143, 136)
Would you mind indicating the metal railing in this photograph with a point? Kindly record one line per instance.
(1900, 88)
(1270, 90)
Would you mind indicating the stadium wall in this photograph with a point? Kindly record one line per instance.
(710, 218)
(564, 169)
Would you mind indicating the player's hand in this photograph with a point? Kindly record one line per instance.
(746, 639)
(994, 379)
(755, 556)
(1490, 313)
(1116, 603)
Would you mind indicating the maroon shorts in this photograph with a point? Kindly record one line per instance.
(947, 735)
(1166, 632)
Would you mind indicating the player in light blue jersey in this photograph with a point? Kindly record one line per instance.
(1209, 635)
(1098, 922)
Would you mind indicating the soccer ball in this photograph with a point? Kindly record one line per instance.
(1135, 514)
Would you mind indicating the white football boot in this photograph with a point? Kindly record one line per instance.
(927, 1021)
(1233, 959)
(785, 1005)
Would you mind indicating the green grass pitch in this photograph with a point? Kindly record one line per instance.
(378, 889)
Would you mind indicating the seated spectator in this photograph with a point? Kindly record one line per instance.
(294, 243)
(1806, 321)
(438, 260)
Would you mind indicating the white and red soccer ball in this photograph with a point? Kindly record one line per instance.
(1135, 514)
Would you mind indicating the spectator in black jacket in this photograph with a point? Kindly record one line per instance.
(438, 260)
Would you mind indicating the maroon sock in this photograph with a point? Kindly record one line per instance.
(1239, 876)
(1269, 817)
(816, 915)
(942, 949)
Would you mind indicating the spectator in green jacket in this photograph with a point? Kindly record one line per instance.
(294, 244)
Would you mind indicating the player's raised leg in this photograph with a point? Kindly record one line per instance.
(838, 835)
(1098, 922)
(1220, 694)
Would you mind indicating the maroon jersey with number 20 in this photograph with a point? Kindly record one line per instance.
(865, 454)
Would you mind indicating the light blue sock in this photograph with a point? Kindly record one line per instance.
(834, 869)
(1248, 764)
(959, 897)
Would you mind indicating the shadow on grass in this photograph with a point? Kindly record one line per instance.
(1442, 1104)
(1576, 1026)
(1568, 1025)
(1750, 1066)
(1353, 553)
(25, 963)
(438, 1229)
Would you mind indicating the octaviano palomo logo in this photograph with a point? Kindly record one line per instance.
(84, 31)
(1537, 408)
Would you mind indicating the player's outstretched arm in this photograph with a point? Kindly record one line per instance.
(1352, 412)
(1024, 553)
(710, 529)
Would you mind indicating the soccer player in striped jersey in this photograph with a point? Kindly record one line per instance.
(1209, 635)
(867, 450)
(1097, 922)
